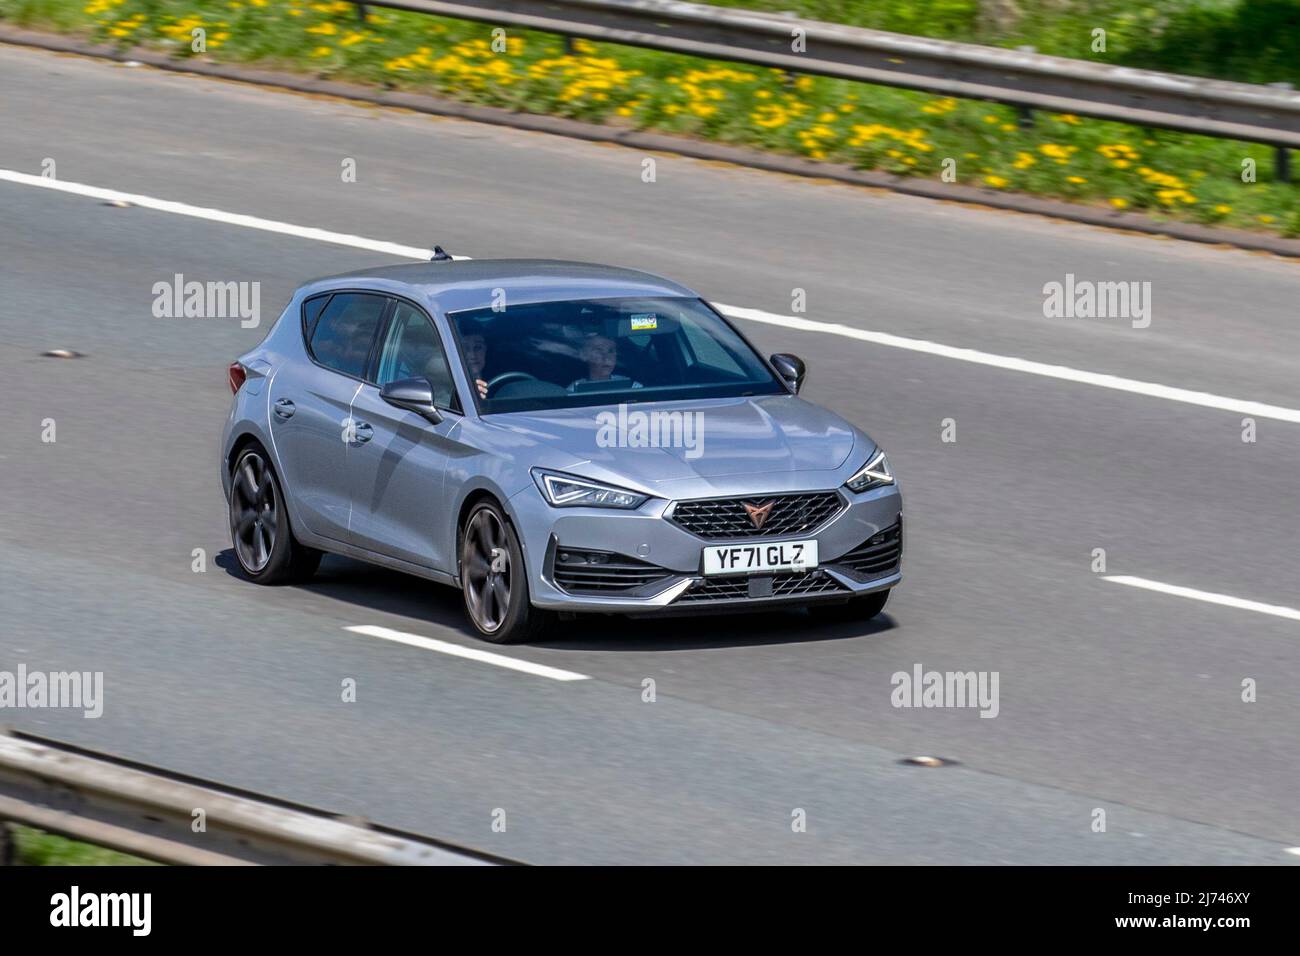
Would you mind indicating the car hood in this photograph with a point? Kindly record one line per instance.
(655, 442)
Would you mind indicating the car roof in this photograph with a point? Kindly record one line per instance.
(461, 284)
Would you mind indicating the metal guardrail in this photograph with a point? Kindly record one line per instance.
(1027, 80)
(151, 813)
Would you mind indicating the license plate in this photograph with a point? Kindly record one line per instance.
(751, 558)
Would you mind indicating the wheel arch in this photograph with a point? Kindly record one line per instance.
(472, 497)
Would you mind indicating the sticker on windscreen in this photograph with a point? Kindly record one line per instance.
(644, 322)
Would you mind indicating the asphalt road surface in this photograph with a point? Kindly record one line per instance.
(1113, 697)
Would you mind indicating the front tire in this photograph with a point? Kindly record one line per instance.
(860, 609)
(494, 579)
(263, 540)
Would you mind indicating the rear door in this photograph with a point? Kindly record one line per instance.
(397, 467)
(311, 406)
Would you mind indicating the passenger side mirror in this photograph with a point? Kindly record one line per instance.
(414, 395)
(790, 368)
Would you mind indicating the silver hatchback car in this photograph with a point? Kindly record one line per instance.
(550, 437)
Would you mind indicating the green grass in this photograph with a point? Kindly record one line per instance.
(1254, 41)
(1168, 175)
(37, 848)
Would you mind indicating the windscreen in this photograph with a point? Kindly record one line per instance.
(605, 351)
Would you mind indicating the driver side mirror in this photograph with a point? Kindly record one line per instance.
(414, 395)
(790, 368)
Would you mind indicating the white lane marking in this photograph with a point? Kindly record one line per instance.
(1209, 597)
(216, 215)
(469, 653)
(1010, 363)
(1294, 850)
(1099, 379)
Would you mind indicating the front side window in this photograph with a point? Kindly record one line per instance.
(412, 349)
(345, 331)
(606, 351)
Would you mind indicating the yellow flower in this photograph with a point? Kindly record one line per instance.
(770, 116)
(1059, 153)
(997, 182)
(1118, 203)
(1008, 127)
(990, 118)
(322, 51)
(1222, 209)
(324, 29)
(939, 107)
(1075, 179)
(1266, 219)
(1023, 160)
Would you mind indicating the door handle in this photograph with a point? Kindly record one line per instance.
(284, 409)
(364, 433)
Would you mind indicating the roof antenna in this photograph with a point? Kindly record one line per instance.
(440, 255)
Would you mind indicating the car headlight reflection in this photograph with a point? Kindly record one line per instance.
(874, 474)
(567, 491)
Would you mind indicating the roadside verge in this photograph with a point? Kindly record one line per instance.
(661, 142)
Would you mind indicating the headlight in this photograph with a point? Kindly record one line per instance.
(566, 491)
(874, 474)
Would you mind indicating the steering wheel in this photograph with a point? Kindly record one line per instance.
(507, 377)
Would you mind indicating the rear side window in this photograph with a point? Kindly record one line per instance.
(311, 310)
(345, 331)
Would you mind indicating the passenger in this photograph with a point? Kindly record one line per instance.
(600, 352)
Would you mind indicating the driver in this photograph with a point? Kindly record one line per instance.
(474, 347)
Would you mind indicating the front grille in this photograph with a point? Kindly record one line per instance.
(878, 554)
(727, 517)
(600, 572)
(789, 584)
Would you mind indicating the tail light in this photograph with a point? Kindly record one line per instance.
(237, 374)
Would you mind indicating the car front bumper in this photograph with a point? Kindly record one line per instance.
(662, 562)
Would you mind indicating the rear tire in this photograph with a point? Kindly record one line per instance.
(263, 540)
(857, 609)
(494, 579)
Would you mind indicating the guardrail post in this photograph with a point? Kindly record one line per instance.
(8, 845)
(361, 12)
(1025, 116)
(1282, 155)
(569, 49)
